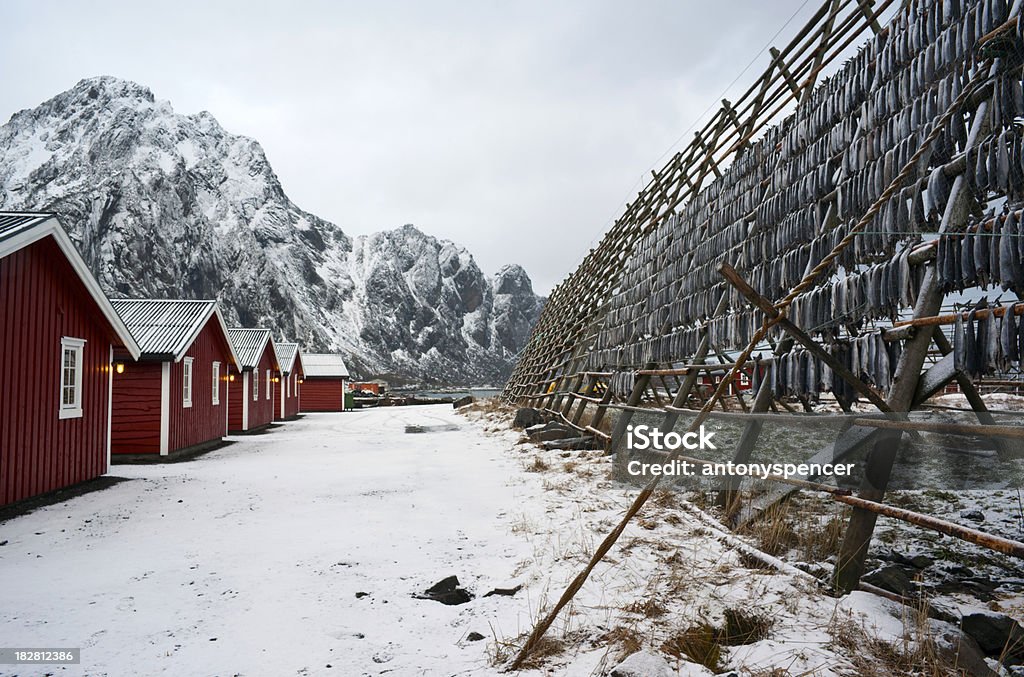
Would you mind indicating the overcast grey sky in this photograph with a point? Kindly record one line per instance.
(517, 129)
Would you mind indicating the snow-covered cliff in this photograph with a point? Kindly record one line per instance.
(170, 205)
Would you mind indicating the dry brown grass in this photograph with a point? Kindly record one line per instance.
(664, 498)
(703, 643)
(696, 643)
(621, 642)
(549, 646)
(490, 405)
(804, 529)
(648, 608)
(538, 464)
(916, 655)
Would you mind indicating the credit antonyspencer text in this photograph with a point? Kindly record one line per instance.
(644, 438)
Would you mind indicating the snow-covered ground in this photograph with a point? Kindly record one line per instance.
(298, 552)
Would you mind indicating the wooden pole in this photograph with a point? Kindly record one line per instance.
(939, 320)
(997, 543)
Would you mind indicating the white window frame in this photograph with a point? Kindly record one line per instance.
(186, 383)
(77, 348)
(268, 385)
(216, 384)
(288, 385)
(255, 384)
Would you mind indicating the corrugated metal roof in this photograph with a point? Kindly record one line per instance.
(324, 364)
(249, 344)
(12, 223)
(164, 327)
(286, 353)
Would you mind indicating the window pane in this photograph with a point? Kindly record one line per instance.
(68, 378)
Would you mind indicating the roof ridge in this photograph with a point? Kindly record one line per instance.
(166, 300)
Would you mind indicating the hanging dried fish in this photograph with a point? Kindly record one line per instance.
(971, 345)
(959, 344)
(1011, 351)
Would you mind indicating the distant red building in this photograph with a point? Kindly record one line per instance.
(58, 333)
(175, 398)
(287, 397)
(253, 381)
(324, 386)
(366, 387)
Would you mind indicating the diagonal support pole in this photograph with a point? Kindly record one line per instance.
(765, 306)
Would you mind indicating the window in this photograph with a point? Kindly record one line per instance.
(288, 386)
(255, 384)
(216, 383)
(268, 384)
(186, 383)
(71, 350)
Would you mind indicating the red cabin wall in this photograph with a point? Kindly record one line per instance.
(203, 421)
(289, 390)
(261, 410)
(235, 410)
(323, 394)
(136, 424)
(41, 300)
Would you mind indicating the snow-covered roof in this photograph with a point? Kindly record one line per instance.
(286, 353)
(20, 229)
(324, 364)
(249, 345)
(165, 328)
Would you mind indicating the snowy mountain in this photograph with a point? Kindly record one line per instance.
(173, 206)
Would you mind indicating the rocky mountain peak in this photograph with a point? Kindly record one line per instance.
(169, 205)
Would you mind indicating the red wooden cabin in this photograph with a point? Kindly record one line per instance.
(286, 404)
(174, 400)
(324, 386)
(254, 381)
(58, 333)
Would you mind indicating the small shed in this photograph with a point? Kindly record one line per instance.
(174, 400)
(58, 333)
(324, 386)
(290, 358)
(254, 381)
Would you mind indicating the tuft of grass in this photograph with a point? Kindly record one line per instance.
(773, 532)
(650, 608)
(697, 643)
(800, 529)
(624, 640)
(538, 465)
(917, 655)
(742, 627)
(665, 498)
(703, 643)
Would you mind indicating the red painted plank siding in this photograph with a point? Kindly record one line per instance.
(261, 410)
(238, 388)
(203, 421)
(289, 391)
(322, 394)
(41, 300)
(136, 424)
